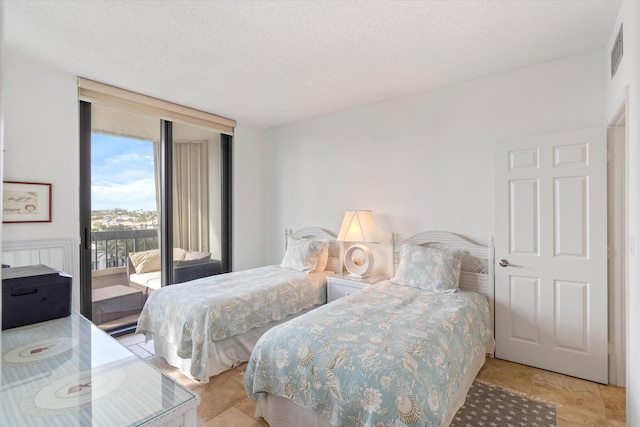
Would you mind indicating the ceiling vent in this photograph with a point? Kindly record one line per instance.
(616, 53)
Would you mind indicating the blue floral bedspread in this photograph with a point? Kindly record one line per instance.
(389, 355)
(193, 314)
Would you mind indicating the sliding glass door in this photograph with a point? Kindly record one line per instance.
(153, 209)
(124, 212)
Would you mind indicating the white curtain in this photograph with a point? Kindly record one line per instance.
(191, 223)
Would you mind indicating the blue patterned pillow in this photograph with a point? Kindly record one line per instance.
(432, 269)
(302, 254)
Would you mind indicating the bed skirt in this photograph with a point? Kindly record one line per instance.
(223, 355)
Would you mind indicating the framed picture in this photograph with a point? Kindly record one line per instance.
(26, 202)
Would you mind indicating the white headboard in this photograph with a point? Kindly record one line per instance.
(334, 263)
(477, 270)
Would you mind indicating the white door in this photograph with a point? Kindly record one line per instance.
(551, 253)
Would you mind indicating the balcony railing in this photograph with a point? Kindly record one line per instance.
(109, 249)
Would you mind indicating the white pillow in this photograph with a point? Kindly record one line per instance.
(146, 261)
(431, 269)
(302, 255)
(190, 255)
(178, 254)
(323, 258)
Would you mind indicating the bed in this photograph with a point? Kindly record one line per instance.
(209, 325)
(391, 354)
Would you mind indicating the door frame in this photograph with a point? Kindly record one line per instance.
(617, 139)
(85, 206)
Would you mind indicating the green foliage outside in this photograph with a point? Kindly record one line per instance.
(138, 233)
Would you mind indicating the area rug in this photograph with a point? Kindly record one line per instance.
(488, 406)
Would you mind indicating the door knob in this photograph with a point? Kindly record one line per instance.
(503, 263)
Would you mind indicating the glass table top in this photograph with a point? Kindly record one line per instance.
(69, 372)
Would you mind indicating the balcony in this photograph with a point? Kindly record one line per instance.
(114, 303)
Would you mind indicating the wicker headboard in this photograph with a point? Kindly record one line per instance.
(477, 270)
(334, 263)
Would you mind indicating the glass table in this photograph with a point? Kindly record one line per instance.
(69, 372)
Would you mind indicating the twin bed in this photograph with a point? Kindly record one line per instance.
(210, 325)
(402, 352)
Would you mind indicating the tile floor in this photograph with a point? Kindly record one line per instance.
(580, 403)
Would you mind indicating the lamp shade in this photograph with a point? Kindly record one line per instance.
(358, 227)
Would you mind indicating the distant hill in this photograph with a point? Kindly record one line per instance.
(123, 219)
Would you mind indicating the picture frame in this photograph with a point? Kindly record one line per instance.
(26, 202)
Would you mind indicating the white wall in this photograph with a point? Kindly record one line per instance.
(41, 142)
(426, 161)
(625, 84)
(42, 145)
(249, 195)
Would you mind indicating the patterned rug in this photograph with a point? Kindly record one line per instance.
(489, 406)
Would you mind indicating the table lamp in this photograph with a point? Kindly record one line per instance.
(358, 227)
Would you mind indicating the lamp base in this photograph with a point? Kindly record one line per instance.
(358, 260)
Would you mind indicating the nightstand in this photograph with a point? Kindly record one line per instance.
(341, 285)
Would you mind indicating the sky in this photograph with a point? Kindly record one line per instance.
(122, 173)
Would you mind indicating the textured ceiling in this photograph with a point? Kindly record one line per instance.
(267, 63)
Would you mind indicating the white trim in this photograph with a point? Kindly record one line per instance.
(619, 226)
